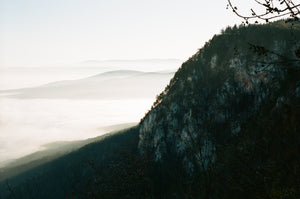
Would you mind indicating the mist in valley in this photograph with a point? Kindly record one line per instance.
(62, 105)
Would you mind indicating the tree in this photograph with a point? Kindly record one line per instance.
(274, 9)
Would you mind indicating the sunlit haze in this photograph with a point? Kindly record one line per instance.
(47, 33)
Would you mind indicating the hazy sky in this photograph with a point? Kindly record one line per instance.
(52, 32)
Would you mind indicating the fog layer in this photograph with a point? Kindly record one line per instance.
(73, 109)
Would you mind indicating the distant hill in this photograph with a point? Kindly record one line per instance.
(133, 61)
(133, 64)
(120, 84)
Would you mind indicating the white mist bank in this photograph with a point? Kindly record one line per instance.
(27, 125)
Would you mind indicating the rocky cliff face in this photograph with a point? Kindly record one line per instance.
(214, 94)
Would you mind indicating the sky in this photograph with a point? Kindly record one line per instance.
(55, 32)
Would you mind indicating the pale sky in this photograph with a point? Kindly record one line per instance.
(54, 32)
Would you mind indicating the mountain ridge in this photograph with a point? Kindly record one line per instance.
(107, 85)
(212, 116)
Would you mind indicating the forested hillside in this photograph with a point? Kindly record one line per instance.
(230, 115)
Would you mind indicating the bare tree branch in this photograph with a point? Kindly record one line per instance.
(274, 9)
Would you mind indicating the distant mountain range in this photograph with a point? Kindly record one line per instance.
(133, 64)
(134, 61)
(119, 84)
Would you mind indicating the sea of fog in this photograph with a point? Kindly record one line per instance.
(26, 124)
